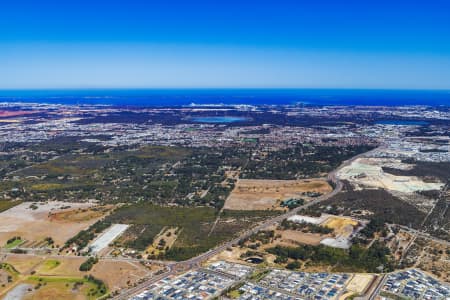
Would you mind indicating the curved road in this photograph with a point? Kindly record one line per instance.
(196, 262)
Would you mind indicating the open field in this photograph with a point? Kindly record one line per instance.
(360, 282)
(261, 194)
(119, 274)
(115, 274)
(34, 223)
(80, 214)
(8, 276)
(49, 288)
(49, 265)
(61, 267)
(23, 264)
(295, 237)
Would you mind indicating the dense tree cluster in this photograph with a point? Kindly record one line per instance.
(356, 258)
(304, 227)
(88, 264)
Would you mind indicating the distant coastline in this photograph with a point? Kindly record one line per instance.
(177, 97)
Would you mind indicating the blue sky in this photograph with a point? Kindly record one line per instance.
(161, 44)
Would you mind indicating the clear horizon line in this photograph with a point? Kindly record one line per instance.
(221, 88)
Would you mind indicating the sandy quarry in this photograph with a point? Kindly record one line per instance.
(367, 172)
(343, 228)
(256, 194)
(34, 225)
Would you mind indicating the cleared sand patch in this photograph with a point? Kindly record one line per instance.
(51, 219)
(109, 235)
(368, 172)
(18, 292)
(360, 282)
(295, 236)
(3, 277)
(343, 228)
(308, 219)
(256, 194)
(80, 214)
(232, 254)
(118, 274)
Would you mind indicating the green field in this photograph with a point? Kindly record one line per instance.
(64, 287)
(50, 264)
(5, 205)
(14, 243)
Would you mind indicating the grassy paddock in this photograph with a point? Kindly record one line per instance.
(6, 204)
(63, 287)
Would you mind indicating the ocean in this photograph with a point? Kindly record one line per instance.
(177, 97)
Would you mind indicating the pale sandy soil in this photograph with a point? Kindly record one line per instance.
(231, 256)
(118, 274)
(3, 277)
(45, 221)
(367, 172)
(295, 236)
(18, 292)
(255, 194)
(360, 282)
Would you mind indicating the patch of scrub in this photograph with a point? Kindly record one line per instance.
(34, 222)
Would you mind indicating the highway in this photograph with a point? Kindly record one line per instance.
(196, 262)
